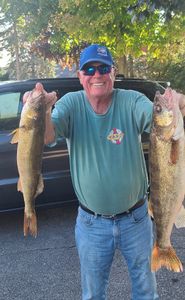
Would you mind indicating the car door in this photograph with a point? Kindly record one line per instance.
(9, 120)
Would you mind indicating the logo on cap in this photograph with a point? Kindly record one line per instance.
(102, 51)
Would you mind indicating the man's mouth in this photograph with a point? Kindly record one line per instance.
(98, 84)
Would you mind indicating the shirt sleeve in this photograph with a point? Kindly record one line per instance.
(143, 113)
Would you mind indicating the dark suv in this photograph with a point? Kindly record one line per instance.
(58, 187)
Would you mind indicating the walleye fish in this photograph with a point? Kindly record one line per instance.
(30, 139)
(167, 177)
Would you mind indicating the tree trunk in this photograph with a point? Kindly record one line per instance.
(32, 65)
(122, 66)
(131, 64)
(18, 70)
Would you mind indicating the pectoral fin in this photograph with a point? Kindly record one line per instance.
(15, 137)
(180, 219)
(174, 156)
(150, 210)
(40, 186)
(19, 186)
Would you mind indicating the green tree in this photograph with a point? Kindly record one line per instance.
(15, 33)
(3, 75)
(112, 23)
(167, 7)
(12, 30)
(59, 29)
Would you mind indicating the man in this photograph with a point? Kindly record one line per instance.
(103, 128)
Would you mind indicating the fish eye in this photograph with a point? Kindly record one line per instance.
(158, 108)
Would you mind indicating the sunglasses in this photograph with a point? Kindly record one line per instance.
(91, 70)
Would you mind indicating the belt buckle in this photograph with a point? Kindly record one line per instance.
(108, 216)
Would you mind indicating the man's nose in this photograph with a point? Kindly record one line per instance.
(97, 73)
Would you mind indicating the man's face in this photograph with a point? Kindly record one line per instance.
(97, 85)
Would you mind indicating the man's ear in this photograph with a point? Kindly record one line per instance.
(79, 76)
(115, 71)
(113, 74)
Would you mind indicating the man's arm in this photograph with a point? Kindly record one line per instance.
(181, 99)
(49, 137)
(182, 104)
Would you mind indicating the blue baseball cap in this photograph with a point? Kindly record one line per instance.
(95, 53)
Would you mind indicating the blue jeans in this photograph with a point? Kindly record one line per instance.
(97, 238)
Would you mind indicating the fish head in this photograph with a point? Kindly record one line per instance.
(164, 115)
(35, 104)
(36, 99)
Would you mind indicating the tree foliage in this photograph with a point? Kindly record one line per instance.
(167, 7)
(18, 31)
(3, 75)
(134, 30)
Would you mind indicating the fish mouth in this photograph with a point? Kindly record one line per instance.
(164, 125)
(164, 110)
(164, 119)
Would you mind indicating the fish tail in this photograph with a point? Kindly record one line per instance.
(30, 224)
(165, 258)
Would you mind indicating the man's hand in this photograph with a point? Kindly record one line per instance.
(50, 98)
(180, 98)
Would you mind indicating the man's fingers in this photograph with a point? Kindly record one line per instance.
(178, 97)
(50, 98)
(25, 96)
(39, 87)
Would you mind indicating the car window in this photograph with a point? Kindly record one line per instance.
(10, 107)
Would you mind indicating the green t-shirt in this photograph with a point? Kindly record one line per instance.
(106, 159)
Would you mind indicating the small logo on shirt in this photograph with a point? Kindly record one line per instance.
(115, 136)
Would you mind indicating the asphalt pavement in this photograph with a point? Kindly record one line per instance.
(47, 267)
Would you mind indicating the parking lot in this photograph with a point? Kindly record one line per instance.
(47, 268)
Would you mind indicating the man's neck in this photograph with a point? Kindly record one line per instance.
(100, 105)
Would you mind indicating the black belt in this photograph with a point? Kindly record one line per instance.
(137, 205)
